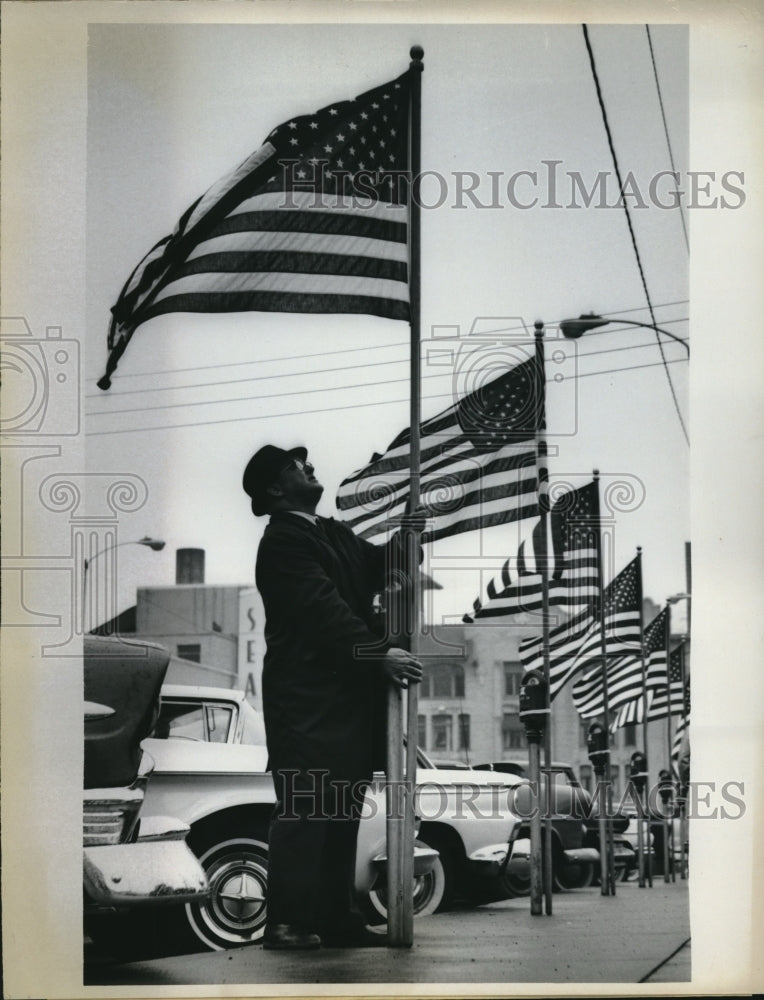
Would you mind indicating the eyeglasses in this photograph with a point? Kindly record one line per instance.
(299, 464)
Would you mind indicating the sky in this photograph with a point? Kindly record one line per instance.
(171, 108)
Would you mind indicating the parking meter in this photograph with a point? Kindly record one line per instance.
(638, 769)
(597, 747)
(665, 786)
(665, 790)
(534, 711)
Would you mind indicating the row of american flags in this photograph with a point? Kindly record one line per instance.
(317, 219)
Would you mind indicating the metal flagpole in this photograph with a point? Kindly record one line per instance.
(682, 798)
(668, 867)
(608, 883)
(543, 549)
(643, 842)
(401, 926)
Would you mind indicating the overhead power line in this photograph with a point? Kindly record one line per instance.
(330, 388)
(344, 350)
(632, 234)
(666, 131)
(333, 409)
(320, 371)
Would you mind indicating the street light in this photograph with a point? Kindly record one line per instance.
(155, 544)
(575, 328)
(675, 598)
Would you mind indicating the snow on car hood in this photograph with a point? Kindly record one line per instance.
(463, 776)
(178, 756)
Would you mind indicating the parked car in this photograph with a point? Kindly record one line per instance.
(130, 863)
(208, 774)
(575, 841)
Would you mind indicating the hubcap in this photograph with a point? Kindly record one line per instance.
(235, 910)
(241, 896)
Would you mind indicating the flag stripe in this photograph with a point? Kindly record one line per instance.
(275, 301)
(248, 240)
(237, 262)
(342, 221)
(316, 208)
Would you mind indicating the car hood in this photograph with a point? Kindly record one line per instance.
(461, 776)
(178, 756)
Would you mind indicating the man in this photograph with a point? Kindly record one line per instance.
(324, 676)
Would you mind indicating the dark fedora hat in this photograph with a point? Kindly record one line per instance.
(263, 470)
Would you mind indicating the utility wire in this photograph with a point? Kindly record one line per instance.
(333, 409)
(630, 225)
(329, 388)
(314, 372)
(344, 350)
(665, 129)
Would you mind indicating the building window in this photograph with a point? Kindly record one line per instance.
(442, 737)
(630, 735)
(513, 676)
(512, 732)
(464, 732)
(459, 681)
(190, 651)
(443, 680)
(586, 777)
(422, 731)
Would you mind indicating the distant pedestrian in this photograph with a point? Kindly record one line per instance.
(324, 678)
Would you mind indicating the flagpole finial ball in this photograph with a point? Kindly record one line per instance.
(417, 52)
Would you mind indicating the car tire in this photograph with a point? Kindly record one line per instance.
(568, 875)
(516, 884)
(236, 865)
(430, 891)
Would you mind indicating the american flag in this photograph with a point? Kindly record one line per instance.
(315, 220)
(573, 578)
(682, 728)
(625, 680)
(664, 695)
(575, 645)
(477, 462)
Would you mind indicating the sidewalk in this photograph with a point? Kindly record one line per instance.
(638, 935)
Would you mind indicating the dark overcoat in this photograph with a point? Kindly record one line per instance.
(323, 688)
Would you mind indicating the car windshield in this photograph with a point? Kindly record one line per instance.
(253, 727)
(206, 722)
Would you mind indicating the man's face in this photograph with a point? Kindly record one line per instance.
(298, 483)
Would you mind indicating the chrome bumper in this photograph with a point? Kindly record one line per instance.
(492, 860)
(582, 855)
(154, 871)
(424, 859)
